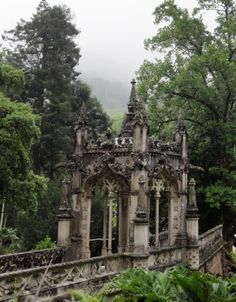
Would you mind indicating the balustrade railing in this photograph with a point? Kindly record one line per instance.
(209, 242)
(31, 259)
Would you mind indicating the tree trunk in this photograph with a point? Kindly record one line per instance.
(2, 214)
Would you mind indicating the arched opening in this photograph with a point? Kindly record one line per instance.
(159, 218)
(96, 222)
(109, 217)
(164, 205)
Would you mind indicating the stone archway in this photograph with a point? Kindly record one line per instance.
(165, 192)
(115, 188)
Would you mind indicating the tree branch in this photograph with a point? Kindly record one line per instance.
(202, 102)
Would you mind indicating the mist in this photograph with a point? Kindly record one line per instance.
(111, 40)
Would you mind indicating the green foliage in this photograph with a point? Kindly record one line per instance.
(233, 257)
(34, 224)
(117, 120)
(11, 79)
(9, 241)
(176, 284)
(18, 131)
(83, 297)
(45, 243)
(197, 77)
(145, 286)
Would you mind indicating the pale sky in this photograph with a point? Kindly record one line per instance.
(112, 32)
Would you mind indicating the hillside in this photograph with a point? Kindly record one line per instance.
(113, 95)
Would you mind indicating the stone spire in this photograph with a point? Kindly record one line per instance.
(82, 120)
(180, 125)
(133, 97)
(136, 113)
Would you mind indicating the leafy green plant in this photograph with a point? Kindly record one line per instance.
(83, 297)
(9, 241)
(145, 286)
(233, 257)
(177, 284)
(46, 243)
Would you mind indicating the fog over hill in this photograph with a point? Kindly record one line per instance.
(113, 95)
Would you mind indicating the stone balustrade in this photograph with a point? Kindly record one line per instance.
(31, 259)
(209, 243)
(40, 275)
(54, 279)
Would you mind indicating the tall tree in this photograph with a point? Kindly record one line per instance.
(45, 49)
(197, 75)
(20, 187)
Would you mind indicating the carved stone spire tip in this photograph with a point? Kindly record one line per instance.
(133, 92)
(180, 125)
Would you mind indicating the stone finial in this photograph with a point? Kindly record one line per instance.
(133, 97)
(192, 201)
(133, 89)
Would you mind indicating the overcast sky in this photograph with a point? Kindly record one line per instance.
(112, 32)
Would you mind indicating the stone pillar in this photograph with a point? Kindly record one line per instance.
(110, 199)
(64, 218)
(123, 238)
(171, 218)
(157, 197)
(141, 233)
(104, 244)
(132, 214)
(141, 227)
(192, 217)
(85, 226)
(64, 221)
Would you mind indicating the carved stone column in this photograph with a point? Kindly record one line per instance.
(123, 223)
(141, 227)
(64, 218)
(110, 199)
(85, 225)
(64, 221)
(141, 232)
(157, 197)
(192, 216)
(104, 244)
(171, 219)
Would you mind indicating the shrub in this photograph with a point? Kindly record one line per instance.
(46, 243)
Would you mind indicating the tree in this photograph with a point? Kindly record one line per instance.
(46, 51)
(19, 186)
(98, 120)
(197, 76)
